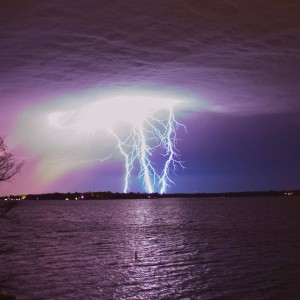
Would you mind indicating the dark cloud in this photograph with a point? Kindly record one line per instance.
(241, 55)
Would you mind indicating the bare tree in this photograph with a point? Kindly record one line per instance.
(8, 166)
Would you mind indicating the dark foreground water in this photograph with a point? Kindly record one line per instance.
(225, 248)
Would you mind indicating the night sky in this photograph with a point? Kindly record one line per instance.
(234, 66)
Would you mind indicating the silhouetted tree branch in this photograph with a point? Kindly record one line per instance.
(8, 166)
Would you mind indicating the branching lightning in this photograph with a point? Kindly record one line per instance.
(146, 138)
(145, 132)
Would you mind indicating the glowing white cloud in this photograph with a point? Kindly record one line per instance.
(87, 128)
(108, 113)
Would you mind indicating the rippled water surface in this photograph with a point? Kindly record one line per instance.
(225, 248)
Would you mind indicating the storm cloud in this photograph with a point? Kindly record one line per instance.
(240, 58)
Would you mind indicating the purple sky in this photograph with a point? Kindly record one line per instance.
(238, 62)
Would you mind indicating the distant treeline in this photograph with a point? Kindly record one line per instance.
(111, 195)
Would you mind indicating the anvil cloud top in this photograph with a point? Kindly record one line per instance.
(233, 67)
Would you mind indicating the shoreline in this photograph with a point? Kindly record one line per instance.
(111, 195)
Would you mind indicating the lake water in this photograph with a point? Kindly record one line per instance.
(213, 248)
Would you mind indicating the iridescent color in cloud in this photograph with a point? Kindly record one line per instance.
(98, 125)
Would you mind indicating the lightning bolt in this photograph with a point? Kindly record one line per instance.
(138, 147)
